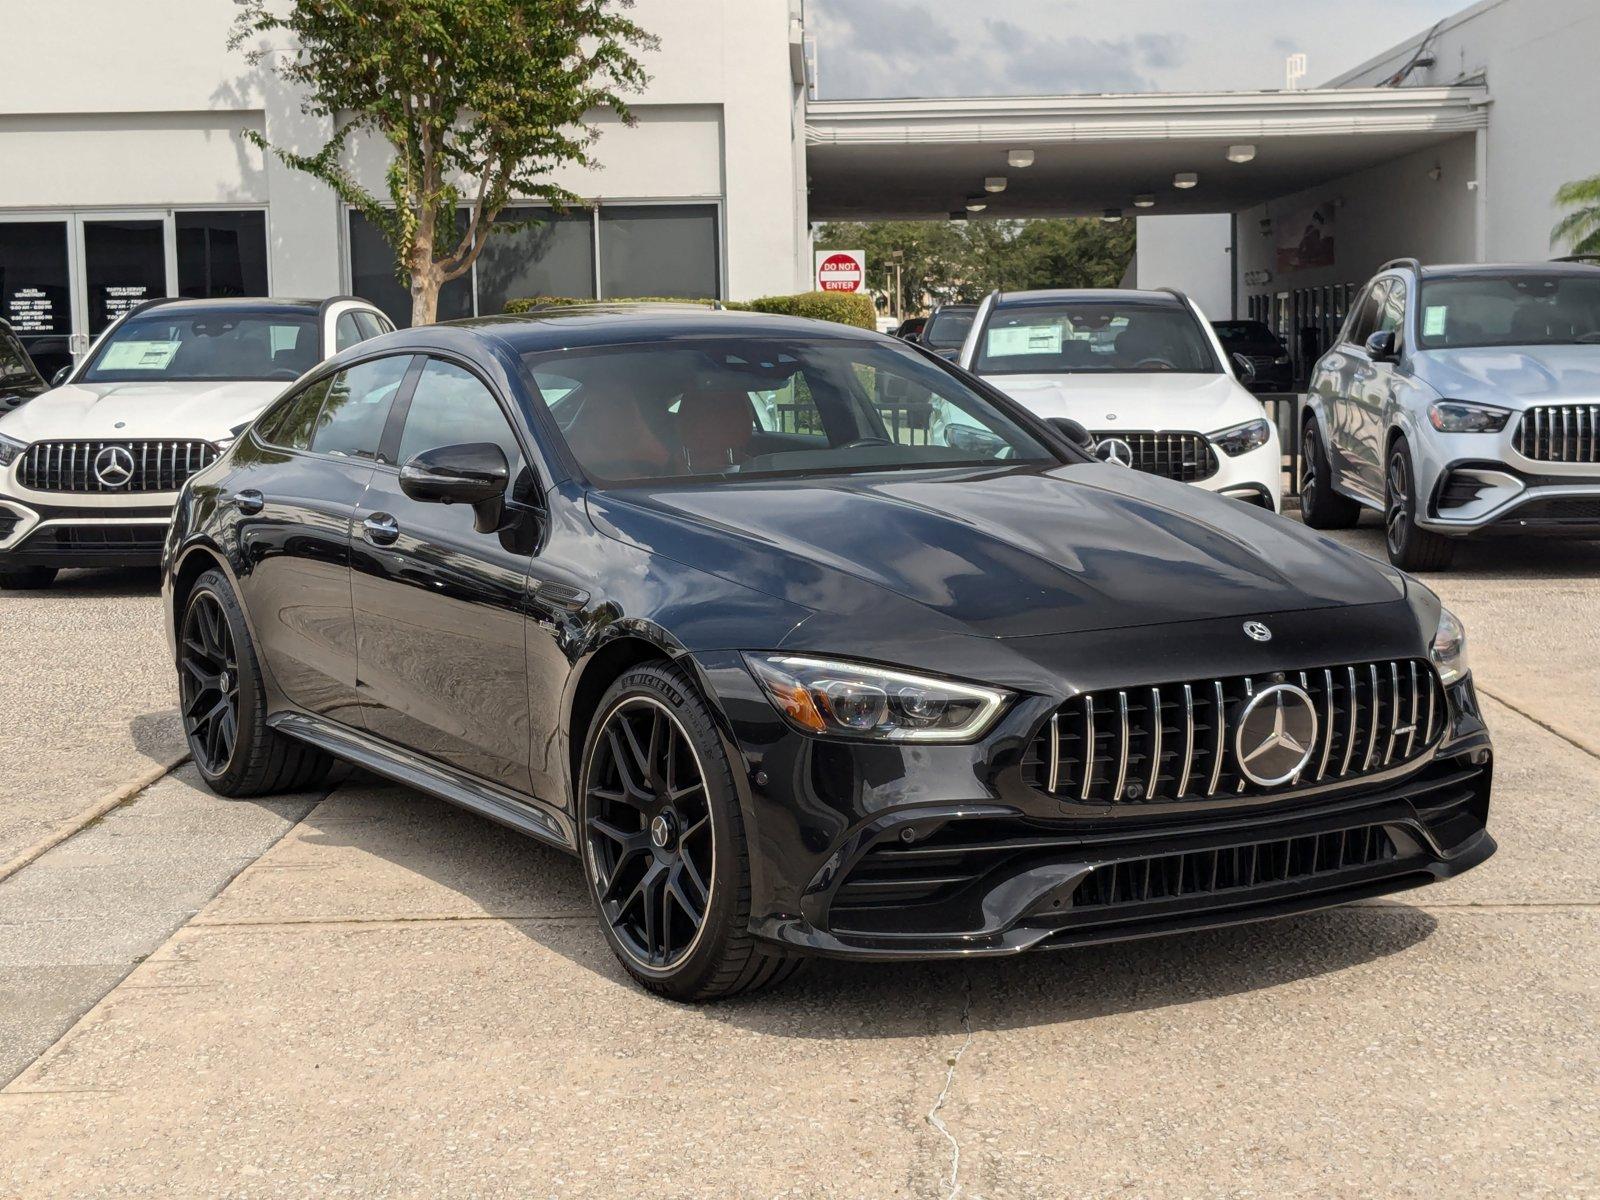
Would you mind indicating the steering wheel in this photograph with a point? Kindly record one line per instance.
(1159, 364)
(284, 373)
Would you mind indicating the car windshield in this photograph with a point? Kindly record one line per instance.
(718, 408)
(1101, 336)
(1522, 308)
(199, 346)
(1244, 333)
(948, 330)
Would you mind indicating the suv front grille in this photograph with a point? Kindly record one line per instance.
(1176, 741)
(148, 467)
(1186, 457)
(1564, 433)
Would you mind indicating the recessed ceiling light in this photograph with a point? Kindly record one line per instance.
(1241, 154)
(977, 203)
(1185, 179)
(1111, 215)
(1146, 200)
(1020, 158)
(995, 183)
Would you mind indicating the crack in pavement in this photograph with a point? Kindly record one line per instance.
(933, 1118)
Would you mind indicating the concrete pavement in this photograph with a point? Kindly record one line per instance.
(400, 999)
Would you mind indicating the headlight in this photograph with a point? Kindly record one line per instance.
(1242, 438)
(973, 440)
(1281, 361)
(1457, 416)
(1449, 648)
(853, 700)
(10, 450)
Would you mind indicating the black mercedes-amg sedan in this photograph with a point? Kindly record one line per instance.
(695, 595)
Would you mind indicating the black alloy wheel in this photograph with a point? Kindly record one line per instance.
(1410, 548)
(649, 833)
(1320, 506)
(662, 838)
(208, 684)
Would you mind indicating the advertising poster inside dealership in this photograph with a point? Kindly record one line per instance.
(841, 270)
(1305, 239)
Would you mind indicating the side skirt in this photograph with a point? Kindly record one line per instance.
(522, 813)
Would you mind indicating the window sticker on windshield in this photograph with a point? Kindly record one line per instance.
(1433, 318)
(137, 356)
(1024, 339)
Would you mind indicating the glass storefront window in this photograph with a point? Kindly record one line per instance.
(666, 250)
(221, 253)
(35, 290)
(372, 276)
(554, 257)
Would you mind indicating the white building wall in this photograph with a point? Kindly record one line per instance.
(1190, 253)
(141, 104)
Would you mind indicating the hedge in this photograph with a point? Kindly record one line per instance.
(843, 307)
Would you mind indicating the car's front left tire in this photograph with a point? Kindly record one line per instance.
(26, 579)
(223, 702)
(663, 843)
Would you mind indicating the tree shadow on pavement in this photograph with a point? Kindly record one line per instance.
(503, 874)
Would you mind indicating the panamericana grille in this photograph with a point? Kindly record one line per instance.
(1229, 868)
(71, 466)
(1564, 433)
(1186, 457)
(1175, 741)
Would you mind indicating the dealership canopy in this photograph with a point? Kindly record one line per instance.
(928, 158)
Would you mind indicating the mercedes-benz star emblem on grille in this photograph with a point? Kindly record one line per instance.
(113, 466)
(1276, 735)
(1114, 450)
(1257, 632)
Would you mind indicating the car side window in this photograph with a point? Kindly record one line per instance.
(346, 332)
(371, 325)
(291, 424)
(452, 407)
(357, 408)
(1393, 316)
(1367, 314)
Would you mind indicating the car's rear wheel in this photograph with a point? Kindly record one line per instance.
(1320, 506)
(23, 579)
(663, 843)
(223, 702)
(1410, 548)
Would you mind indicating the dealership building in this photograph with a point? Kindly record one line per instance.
(126, 171)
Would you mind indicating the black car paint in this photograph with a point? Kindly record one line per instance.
(465, 658)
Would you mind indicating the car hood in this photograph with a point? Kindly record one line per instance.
(1516, 375)
(1153, 400)
(998, 553)
(140, 410)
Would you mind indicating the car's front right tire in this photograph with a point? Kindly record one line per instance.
(1410, 547)
(223, 702)
(663, 843)
(1320, 506)
(26, 579)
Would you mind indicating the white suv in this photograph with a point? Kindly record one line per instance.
(1143, 372)
(90, 470)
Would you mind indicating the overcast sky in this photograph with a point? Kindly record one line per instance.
(978, 47)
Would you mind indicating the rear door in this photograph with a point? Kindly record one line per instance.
(439, 607)
(1370, 398)
(303, 469)
(1350, 375)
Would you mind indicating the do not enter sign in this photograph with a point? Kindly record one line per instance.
(841, 270)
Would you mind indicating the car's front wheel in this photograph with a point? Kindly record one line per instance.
(663, 843)
(1320, 506)
(1410, 548)
(21, 579)
(223, 702)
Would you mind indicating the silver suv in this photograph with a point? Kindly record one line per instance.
(1459, 400)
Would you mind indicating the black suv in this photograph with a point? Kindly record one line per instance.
(666, 590)
(1265, 351)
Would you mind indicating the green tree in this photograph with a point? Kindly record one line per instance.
(1083, 253)
(1580, 228)
(479, 101)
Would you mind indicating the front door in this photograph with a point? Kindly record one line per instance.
(440, 608)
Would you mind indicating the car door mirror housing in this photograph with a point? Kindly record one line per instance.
(1383, 346)
(60, 377)
(1246, 368)
(475, 473)
(1074, 433)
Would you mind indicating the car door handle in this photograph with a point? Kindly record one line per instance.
(561, 595)
(249, 502)
(381, 529)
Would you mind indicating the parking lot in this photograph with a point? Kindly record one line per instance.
(368, 992)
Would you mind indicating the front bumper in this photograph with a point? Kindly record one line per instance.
(77, 535)
(1477, 484)
(880, 851)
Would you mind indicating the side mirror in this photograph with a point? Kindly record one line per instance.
(1383, 346)
(1246, 369)
(475, 473)
(60, 377)
(1074, 433)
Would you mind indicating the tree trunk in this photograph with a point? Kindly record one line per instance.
(424, 273)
